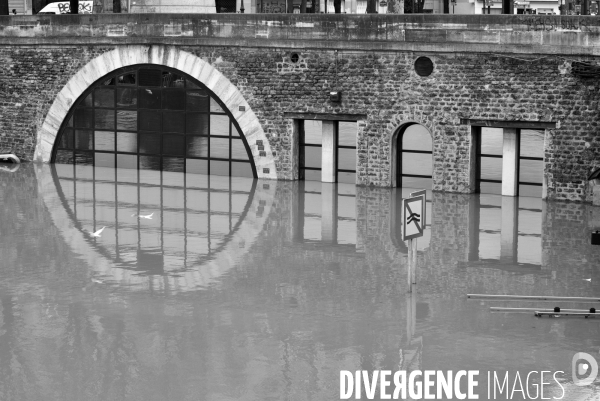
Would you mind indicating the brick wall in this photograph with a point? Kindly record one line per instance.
(381, 84)
(30, 80)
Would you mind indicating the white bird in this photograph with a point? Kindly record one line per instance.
(95, 280)
(97, 233)
(588, 279)
(141, 216)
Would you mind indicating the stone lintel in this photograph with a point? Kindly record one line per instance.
(509, 124)
(324, 116)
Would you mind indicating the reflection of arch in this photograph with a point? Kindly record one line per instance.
(165, 56)
(396, 149)
(202, 273)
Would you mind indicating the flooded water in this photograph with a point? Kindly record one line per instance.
(218, 288)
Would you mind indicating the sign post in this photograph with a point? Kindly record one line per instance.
(413, 227)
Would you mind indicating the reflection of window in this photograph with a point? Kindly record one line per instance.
(415, 165)
(327, 213)
(510, 231)
(153, 118)
(193, 218)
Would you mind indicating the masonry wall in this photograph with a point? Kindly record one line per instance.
(379, 83)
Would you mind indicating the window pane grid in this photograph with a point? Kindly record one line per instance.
(146, 114)
(415, 145)
(311, 143)
(530, 145)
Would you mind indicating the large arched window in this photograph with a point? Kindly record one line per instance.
(151, 117)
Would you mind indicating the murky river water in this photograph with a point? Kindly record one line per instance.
(214, 288)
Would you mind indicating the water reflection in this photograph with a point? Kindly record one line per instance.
(244, 289)
(195, 221)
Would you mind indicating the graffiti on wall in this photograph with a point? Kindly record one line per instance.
(272, 7)
(559, 24)
(84, 7)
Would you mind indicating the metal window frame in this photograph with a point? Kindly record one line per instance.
(400, 150)
(161, 155)
(519, 159)
(302, 153)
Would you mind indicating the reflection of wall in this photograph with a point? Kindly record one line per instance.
(283, 323)
(493, 246)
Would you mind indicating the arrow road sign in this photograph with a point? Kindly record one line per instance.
(414, 213)
(413, 217)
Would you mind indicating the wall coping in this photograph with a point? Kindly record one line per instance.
(373, 32)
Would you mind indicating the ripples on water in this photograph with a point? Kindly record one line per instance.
(258, 290)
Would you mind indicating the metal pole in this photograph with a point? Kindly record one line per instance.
(412, 264)
(411, 316)
(533, 298)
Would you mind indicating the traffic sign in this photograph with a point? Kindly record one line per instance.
(414, 217)
(424, 193)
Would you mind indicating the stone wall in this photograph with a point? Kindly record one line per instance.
(30, 80)
(470, 80)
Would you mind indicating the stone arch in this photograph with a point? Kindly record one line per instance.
(168, 56)
(399, 128)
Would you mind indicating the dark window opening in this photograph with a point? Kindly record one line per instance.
(154, 118)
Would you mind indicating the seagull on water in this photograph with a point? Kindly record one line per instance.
(97, 233)
(142, 216)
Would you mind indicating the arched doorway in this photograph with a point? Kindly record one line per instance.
(413, 157)
(153, 117)
(412, 169)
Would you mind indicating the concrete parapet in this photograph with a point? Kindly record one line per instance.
(441, 33)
